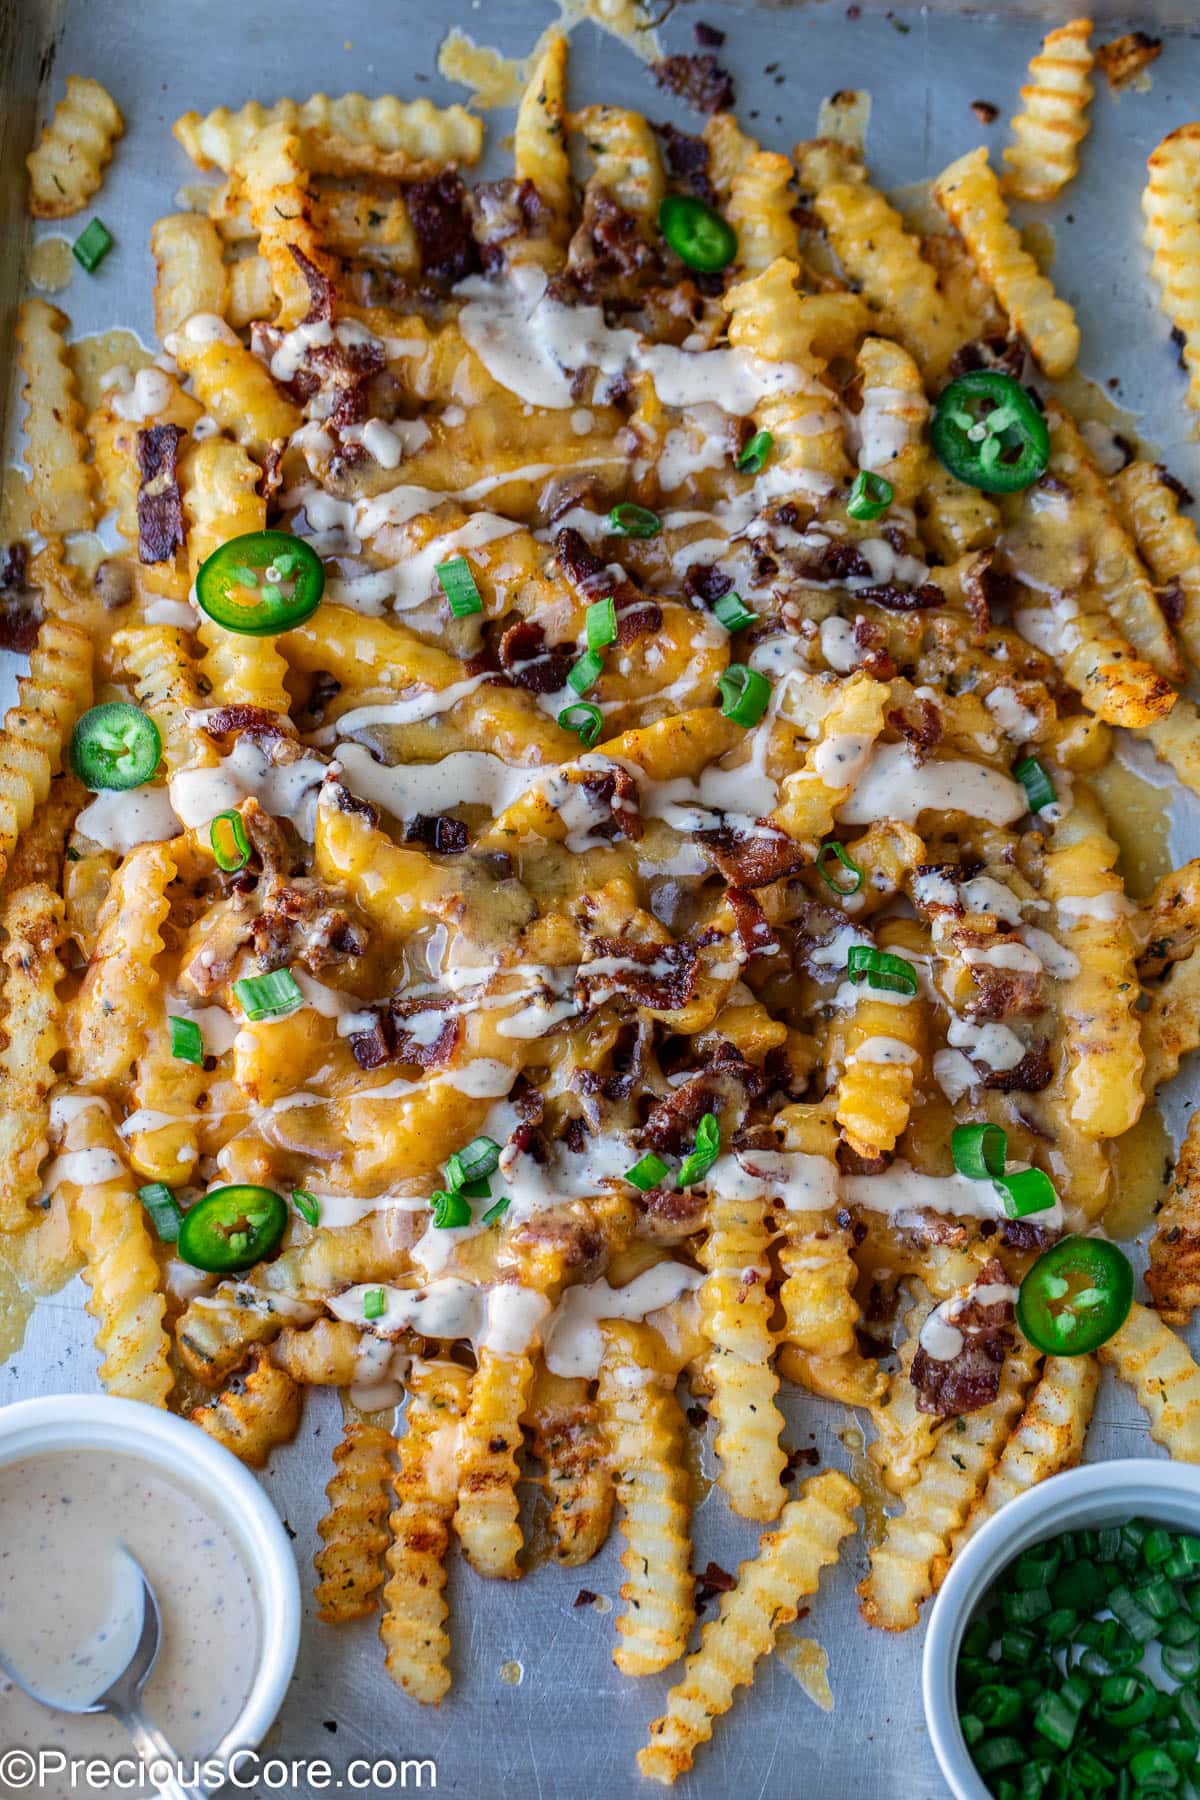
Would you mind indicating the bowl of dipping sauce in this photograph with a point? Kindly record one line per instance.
(1034, 1594)
(81, 1476)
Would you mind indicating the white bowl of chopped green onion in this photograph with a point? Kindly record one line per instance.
(1063, 1652)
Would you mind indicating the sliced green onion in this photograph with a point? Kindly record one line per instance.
(494, 1214)
(708, 1148)
(450, 1211)
(628, 520)
(374, 1303)
(870, 495)
(893, 974)
(586, 720)
(163, 1209)
(586, 673)
(480, 1159)
(1039, 789)
(979, 1152)
(745, 695)
(187, 1045)
(307, 1205)
(832, 846)
(997, 1753)
(600, 623)
(230, 845)
(733, 613)
(1056, 1719)
(754, 456)
(92, 245)
(1028, 1191)
(649, 1172)
(458, 585)
(268, 996)
(476, 1190)
(1140, 1624)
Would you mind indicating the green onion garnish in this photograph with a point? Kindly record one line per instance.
(601, 623)
(187, 1045)
(1038, 786)
(702, 1158)
(163, 1209)
(870, 495)
(648, 1173)
(745, 695)
(450, 1211)
(92, 246)
(307, 1205)
(979, 1151)
(267, 996)
(230, 845)
(628, 520)
(733, 614)
(476, 1190)
(894, 974)
(494, 1214)
(586, 720)
(754, 456)
(832, 847)
(586, 673)
(458, 585)
(480, 1159)
(374, 1303)
(1028, 1191)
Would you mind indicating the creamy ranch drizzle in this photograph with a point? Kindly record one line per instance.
(895, 786)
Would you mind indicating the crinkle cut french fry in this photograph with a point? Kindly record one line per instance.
(323, 1354)
(109, 1226)
(413, 1627)
(936, 1505)
(1053, 120)
(904, 1435)
(354, 1534)
(74, 150)
(276, 185)
(61, 480)
(1171, 1023)
(158, 661)
(486, 1518)
(1148, 499)
(1048, 1439)
(540, 155)
(350, 135)
(119, 990)
(1166, 924)
(256, 1412)
(769, 1588)
(31, 1036)
(1173, 238)
(735, 1317)
(627, 160)
(969, 194)
(192, 277)
(1173, 1277)
(761, 209)
(568, 1440)
(893, 418)
(646, 1433)
(1158, 1366)
(37, 730)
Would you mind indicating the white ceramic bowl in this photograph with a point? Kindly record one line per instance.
(1097, 1494)
(221, 1486)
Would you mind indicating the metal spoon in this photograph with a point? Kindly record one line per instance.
(123, 1697)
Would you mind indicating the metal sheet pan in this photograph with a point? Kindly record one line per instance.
(571, 1726)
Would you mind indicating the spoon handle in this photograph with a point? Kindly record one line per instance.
(153, 1747)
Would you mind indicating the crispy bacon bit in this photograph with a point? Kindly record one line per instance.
(975, 585)
(922, 732)
(411, 1046)
(1172, 600)
(728, 1083)
(754, 932)
(1030, 1076)
(704, 581)
(670, 1214)
(971, 1378)
(752, 862)
(370, 1048)
(699, 79)
(985, 112)
(320, 288)
(528, 663)
(637, 616)
(438, 210)
(1003, 353)
(571, 1234)
(302, 923)
(271, 479)
(871, 638)
(715, 1580)
(827, 562)
(1024, 1234)
(502, 210)
(1124, 57)
(248, 721)
(437, 832)
(1001, 993)
(20, 606)
(159, 502)
(894, 598)
(687, 159)
(347, 802)
(609, 257)
(585, 1597)
(663, 976)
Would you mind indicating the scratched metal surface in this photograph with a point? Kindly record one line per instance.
(571, 1727)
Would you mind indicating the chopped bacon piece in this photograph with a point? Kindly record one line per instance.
(663, 976)
(753, 930)
(704, 581)
(729, 1082)
(440, 219)
(637, 616)
(609, 258)
(1001, 993)
(21, 610)
(247, 720)
(970, 1378)
(921, 733)
(687, 159)
(159, 502)
(571, 1233)
(831, 561)
(975, 587)
(752, 862)
(894, 598)
(1003, 353)
(320, 288)
(417, 1046)
(302, 923)
(1124, 57)
(697, 78)
(529, 663)
(369, 1048)
(1031, 1075)
(616, 789)
(437, 832)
